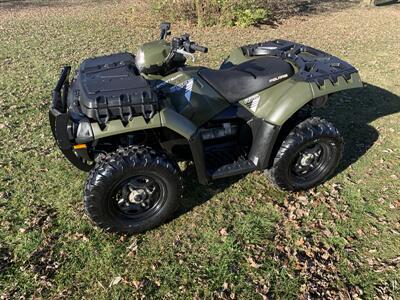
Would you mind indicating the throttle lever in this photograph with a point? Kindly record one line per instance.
(186, 54)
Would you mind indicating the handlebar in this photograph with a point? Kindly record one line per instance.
(182, 44)
(195, 47)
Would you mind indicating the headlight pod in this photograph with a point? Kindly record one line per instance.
(139, 60)
(80, 128)
(84, 133)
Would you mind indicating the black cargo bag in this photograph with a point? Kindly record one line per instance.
(110, 87)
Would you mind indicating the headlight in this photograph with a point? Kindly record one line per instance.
(84, 133)
(140, 59)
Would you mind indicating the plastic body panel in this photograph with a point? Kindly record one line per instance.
(187, 93)
(165, 118)
(152, 56)
(265, 135)
(279, 103)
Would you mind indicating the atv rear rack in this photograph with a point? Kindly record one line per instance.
(314, 65)
(59, 120)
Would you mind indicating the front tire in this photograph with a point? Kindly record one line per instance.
(132, 190)
(308, 156)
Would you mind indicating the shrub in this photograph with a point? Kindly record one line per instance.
(212, 12)
(247, 13)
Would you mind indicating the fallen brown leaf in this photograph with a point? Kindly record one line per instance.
(252, 263)
(223, 232)
(115, 281)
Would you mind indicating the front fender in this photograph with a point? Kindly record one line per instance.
(165, 118)
(278, 103)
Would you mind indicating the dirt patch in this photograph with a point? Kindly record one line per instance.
(42, 261)
(44, 217)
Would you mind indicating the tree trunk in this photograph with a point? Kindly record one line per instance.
(199, 12)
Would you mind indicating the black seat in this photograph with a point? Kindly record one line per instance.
(240, 81)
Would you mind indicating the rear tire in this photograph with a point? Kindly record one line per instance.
(132, 190)
(308, 156)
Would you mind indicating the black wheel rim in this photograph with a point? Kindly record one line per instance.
(138, 197)
(312, 162)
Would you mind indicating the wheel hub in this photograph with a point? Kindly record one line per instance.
(306, 159)
(137, 196)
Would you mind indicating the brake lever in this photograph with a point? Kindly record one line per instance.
(186, 54)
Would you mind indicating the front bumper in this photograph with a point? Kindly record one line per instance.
(59, 118)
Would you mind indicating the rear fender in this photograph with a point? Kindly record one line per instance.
(278, 103)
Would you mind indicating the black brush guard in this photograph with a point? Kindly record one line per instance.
(59, 117)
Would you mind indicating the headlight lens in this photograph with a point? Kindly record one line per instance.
(84, 133)
(140, 58)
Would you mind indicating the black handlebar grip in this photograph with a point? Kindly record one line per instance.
(199, 48)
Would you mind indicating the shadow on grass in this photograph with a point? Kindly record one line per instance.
(387, 2)
(196, 194)
(351, 111)
(284, 9)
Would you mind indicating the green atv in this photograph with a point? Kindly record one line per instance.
(129, 119)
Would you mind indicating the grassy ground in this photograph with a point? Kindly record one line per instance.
(238, 239)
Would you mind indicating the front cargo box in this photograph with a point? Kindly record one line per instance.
(110, 87)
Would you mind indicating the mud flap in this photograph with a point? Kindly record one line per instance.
(265, 135)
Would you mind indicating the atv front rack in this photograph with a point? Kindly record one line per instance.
(111, 88)
(58, 117)
(314, 65)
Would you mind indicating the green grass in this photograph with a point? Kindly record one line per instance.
(241, 238)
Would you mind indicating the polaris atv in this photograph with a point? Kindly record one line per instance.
(129, 119)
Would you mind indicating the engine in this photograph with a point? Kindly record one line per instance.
(219, 131)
